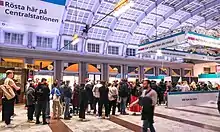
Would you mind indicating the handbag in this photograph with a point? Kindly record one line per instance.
(8, 92)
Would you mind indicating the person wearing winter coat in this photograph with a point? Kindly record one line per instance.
(30, 102)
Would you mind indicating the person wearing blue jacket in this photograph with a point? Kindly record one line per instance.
(56, 102)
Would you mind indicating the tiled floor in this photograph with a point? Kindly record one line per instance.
(205, 119)
(94, 125)
(21, 121)
(101, 125)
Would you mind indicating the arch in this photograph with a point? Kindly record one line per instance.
(73, 68)
(211, 4)
(175, 9)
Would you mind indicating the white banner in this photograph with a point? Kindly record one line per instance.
(162, 43)
(181, 99)
(32, 15)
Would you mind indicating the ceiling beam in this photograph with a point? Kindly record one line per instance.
(206, 19)
(167, 15)
(143, 15)
(204, 7)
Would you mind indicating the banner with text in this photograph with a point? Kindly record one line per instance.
(181, 99)
(32, 15)
(162, 43)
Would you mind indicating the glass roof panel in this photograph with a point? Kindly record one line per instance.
(124, 25)
(136, 38)
(179, 14)
(106, 8)
(142, 28)
(83, 4)
(194, 19)
(118, 36)
(97, 33)
(82, 16)
(151, 19)
(105, 22)
(168, 23)
(71, 28)
(162, 9)
(131, 14)
(192, 7)
(142, 4)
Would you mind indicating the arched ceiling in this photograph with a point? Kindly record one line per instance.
(146, 19)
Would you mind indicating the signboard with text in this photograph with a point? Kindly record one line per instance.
(181, 99)
(32, 15)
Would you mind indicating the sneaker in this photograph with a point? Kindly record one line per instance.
(38, 122)
(10, 126)
(31, 121)
(99, 117)
(46, 123)
(107, 117)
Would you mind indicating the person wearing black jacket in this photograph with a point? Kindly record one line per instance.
(103, 100)
(42, 93)
(147, 113)
(89, 86)
(83, 101)
(123, 94)
(67, 92)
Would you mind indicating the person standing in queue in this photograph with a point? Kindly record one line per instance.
(30, 102)
(147, 122)
(67, 92)
(42, 91)
(83, 102)
(103, 100)
(9, 97)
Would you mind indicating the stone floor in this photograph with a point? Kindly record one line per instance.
(162, 124)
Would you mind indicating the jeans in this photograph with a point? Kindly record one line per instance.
(48, 109)
(123, 104)
(41, 108)
(67, 107)
(30, 111)
(8, 110)
(147, 125)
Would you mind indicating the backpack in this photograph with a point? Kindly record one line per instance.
(124, 90)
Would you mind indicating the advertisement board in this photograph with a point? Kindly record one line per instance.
(162, 43)
(32, 15)
(181, 99)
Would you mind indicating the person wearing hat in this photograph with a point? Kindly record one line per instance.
(9, 98)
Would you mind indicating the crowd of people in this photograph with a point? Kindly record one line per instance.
(91, 98)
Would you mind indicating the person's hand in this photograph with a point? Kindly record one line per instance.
(131, 105)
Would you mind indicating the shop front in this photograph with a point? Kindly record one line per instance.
(94, 72)
(133, 72)
(46, 70)
(21, 72)
(71, 73)
(114, 73)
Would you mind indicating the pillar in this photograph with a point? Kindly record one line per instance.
(182, 72)
(30, 39)
(58, 70)
(29, 60)
(156, 71)
(124, 71)
(105, 71)
(141, 73)
(83, 74)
